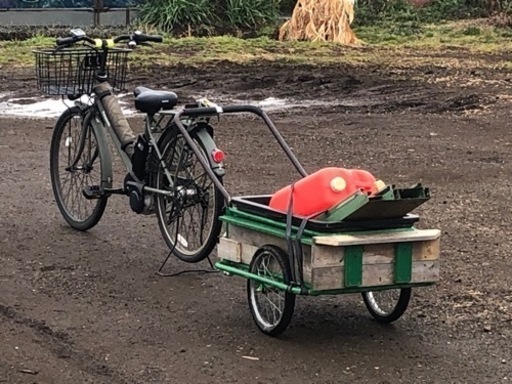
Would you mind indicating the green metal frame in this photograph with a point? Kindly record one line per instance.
(353, 262)
(353, 255)
(403, 262)
(261, 224)
(242, 270)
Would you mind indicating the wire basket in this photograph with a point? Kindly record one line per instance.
(71, 72)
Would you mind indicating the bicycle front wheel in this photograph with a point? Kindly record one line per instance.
(189, 219)
(75, 164)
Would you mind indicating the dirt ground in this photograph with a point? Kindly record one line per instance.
(89, 308)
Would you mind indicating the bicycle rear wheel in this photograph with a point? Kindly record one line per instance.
(75, 163)
(188, 219)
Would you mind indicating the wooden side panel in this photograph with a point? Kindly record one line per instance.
(230, 250)
(425, 271)
(325, 278)
(324, 265)
(242, 244)
(378, 274)
(325, 256)
(378, 253)
(248, 252)
(426, 250)
(380, 238)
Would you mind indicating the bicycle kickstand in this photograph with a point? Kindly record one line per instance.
(162, 274)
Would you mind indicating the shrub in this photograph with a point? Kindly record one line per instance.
(170, 15)
(256, 15)
(251, 14)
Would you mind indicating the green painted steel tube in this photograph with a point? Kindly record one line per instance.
(237, 217)
(259, 227)
(252, 276)
(345, 291)
(239, 271)
(233, 212)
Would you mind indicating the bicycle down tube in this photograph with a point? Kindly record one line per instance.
(106, 124)
(96, 117)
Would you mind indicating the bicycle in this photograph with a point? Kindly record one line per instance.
(174, 168)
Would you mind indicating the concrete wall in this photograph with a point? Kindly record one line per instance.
(79, 17)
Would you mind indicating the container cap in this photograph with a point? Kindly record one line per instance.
(378, 186)
(338, 184)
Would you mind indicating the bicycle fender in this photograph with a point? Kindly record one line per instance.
(101, 141)
(201, 131)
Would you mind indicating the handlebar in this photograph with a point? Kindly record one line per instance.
(66, 41)
(133, 39)
(140, 37)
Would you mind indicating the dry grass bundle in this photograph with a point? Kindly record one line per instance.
(321, 20)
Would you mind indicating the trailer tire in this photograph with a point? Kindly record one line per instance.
(383, 315)
(270, 261)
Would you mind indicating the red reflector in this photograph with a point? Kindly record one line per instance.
(218, 156)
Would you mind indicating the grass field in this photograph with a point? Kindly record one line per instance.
(395, 46)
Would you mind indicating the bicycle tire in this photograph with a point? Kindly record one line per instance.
(97, 205)
(178, 241)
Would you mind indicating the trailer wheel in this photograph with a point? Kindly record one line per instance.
(389, 305)
(271, 308)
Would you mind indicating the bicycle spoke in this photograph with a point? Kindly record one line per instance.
(268, 303)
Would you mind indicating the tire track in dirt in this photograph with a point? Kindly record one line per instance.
(60, 344)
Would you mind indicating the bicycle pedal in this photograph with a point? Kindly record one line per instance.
(93, 192)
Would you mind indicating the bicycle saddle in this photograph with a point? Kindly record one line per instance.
(151, 101)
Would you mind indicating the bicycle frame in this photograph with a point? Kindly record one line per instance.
(97, 117)
(163, 176)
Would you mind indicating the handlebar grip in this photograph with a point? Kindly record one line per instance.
(65, 40)
(153, 38)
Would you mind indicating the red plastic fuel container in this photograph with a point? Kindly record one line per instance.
(364, 180)
(322, 190)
